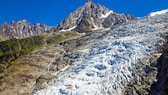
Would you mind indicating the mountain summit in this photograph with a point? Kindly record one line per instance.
(91, 17)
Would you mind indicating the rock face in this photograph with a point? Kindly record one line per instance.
(114, 19)
(89, 17)
(21, 29)
(142, 85)
(160, 87)
(92, 16)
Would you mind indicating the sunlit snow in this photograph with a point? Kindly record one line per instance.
(159, 12)
(106, 15)
(69, 29)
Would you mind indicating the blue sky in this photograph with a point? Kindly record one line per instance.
(51, 12)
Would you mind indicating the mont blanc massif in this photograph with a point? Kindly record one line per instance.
(94, 51)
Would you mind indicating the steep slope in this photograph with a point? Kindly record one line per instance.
(90, 17)
(160, 87)
(120, 61)
(21, 29)
(24, 61)
(115, 61)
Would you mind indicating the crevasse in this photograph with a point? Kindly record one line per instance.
(108, 65)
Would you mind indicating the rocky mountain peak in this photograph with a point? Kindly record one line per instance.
(91, 17)
(21, 29)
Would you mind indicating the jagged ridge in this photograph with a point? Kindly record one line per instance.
(21, 29)
(89, 17)
(92, 16)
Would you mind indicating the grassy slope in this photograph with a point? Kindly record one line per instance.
(10, 50)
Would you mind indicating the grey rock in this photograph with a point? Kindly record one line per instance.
(114, 19)
(21, 29)
(91, 17)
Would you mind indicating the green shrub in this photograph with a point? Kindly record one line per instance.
(11, 49)
(58, 37)
(17, 46)
(55, 39)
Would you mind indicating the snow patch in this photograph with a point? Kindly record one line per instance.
(158, 12)
(106, 15)
(63, 30)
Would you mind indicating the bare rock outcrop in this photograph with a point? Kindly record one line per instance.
(21, 29)
(91, 17)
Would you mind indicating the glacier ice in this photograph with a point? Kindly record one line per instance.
(108, 66)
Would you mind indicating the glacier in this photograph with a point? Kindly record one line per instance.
(106, 66)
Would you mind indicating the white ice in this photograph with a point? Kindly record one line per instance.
(158, 12)
(108, 65)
